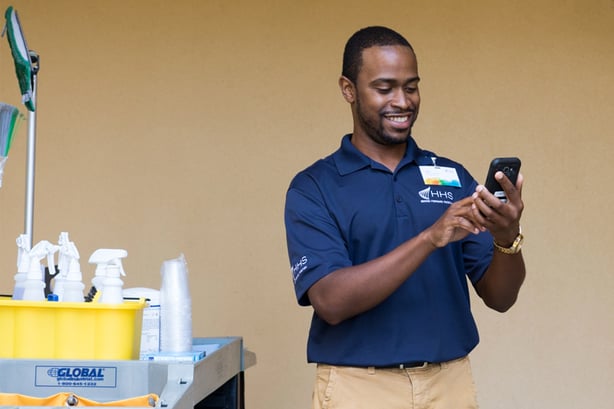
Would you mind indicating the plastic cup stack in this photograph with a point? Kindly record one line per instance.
(175, 307)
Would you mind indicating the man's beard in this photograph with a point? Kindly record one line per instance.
(376, 131)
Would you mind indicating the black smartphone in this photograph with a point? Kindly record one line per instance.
(509, 166)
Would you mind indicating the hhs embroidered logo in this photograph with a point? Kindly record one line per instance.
(429, 195)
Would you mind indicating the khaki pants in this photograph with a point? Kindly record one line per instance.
(447, 385)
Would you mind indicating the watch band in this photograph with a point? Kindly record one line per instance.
(514, 248)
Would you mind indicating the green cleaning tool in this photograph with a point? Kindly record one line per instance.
(27, 66)
(22, 57)
(10, 119)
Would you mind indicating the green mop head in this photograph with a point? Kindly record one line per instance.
(10, 119)
(21, 55)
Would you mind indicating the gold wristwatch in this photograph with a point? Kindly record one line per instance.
(515, 247)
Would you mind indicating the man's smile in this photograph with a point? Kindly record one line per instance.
(399, 120)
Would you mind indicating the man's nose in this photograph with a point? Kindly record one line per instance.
(401, 99)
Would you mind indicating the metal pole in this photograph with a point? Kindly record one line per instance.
(31, 153)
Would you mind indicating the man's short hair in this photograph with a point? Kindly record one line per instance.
(365, 38)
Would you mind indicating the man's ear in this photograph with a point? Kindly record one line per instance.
(348, 90)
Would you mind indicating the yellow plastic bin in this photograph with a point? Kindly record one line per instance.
(70, 330)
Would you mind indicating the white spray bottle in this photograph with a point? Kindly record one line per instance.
(23, 265)
(108, 270)
(34, 285)
(68, 282)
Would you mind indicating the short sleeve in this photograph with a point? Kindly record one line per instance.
(315, 245)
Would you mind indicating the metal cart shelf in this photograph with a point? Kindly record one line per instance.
(214, 382)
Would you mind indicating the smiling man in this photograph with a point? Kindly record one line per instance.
(382, 237)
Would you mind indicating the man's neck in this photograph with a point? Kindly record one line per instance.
(387, 155)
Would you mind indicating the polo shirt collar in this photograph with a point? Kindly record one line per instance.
(349, 159)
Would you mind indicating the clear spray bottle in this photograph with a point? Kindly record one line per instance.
(108, 270)
(68, 282)
(23, 265)
(34, 285)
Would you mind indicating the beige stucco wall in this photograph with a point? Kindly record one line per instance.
(167, 127)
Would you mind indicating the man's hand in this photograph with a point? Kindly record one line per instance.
(455, 224)
(502, 219)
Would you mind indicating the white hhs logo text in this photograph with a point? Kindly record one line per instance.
(299, 267)
(429, 195)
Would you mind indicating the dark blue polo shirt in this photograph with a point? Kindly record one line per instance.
(345, 210)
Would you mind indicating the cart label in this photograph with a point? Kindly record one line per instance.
(76, 376)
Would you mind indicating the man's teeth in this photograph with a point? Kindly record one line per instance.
(398, 118)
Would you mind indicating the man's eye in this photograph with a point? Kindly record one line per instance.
(411, 90)
(383, 90)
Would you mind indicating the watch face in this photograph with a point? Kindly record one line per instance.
(517, 244)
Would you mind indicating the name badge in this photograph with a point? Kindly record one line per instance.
(440, 176)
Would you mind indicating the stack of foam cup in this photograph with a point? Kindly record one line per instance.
(175, 307)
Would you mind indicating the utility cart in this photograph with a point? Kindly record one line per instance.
(214, 382)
